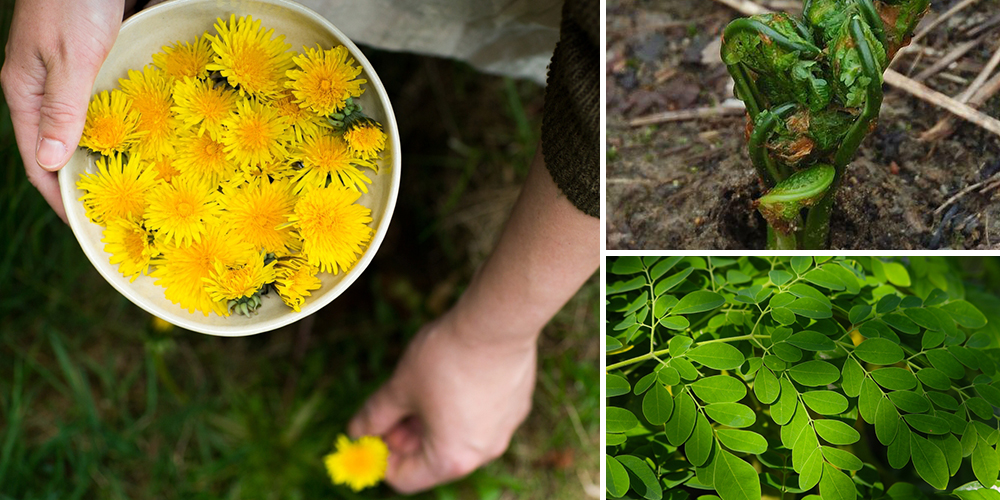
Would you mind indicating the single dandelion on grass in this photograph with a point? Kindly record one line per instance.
(359, 464)
(117, 189)
(130, 245)
(182, 60)
(251, 59)
(327, 158)
(325, 80)
(111, 124)
(181, 210)
(334, 229)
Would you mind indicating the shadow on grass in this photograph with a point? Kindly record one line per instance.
(97, 400)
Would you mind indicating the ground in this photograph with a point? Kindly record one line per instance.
(689, 185)
(97, 401)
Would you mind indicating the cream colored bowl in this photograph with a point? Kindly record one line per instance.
(145, 34)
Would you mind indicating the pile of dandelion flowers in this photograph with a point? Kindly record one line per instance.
(117, 189)
(150, 91)
(130, 245)
(200, 103)
(111, 124)
(248, 57)
(256, 134)
(202, 156)
(358, 464)
(182, 268)
(332, 226)
(327, 157)
(233, 282)
(295, 279)
(180, 210)
(365, 141)
(325, 80)
(255, 211)
(185, 60)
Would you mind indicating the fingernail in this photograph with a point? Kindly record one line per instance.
(50, 153)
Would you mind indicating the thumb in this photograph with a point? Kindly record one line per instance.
(63, 112)
(387, 407)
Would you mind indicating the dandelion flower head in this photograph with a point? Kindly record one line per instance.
(250, 58)
(231, 282)
(111, 124)
(327, 157)
(200, 103)
(257, 210)
(334, 229)
(325, 79)
(180, 210)
(182, 60)
(150, 91)
(117, 189)
(359, 464)
(366, 141)
(130, 245)
(204, 157)
(256, 134)
(295, 279)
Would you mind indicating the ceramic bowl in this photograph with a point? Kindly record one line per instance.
(145, 34)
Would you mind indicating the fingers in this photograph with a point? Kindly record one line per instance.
(62, 112)
(381, 412)
(47, 183)
(428, 467)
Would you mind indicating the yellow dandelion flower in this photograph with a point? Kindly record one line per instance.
(185, 60)
(231, 282)
(255, 135)
(256, 210)
(199, 102)
(365, 141)
(359, 464)
(117, 190)
(182, 268)
(332, 226)
(248, 57)
(181, 210)
(295, 279)
(111, 124)
(130, 245)
(326, 79)
(204, 157)
(328, 157)
(150, 91)
(164, 168)
(303, 121)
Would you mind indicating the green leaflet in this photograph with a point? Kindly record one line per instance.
(952, 450)
(944, 361)
(675, 322)
(766, 386)
(804, 446)
(812, 470)
(814, 373)
(898, 452)
(699, 301)
(679, 345)
(842, 459)
(663, 266)
(886, 421)
(619, 419)
(911, 402)
(780, 277)
(615, 439)
(825, 277)
(809, 307)
(989, 393)
(627, 265)
(879, 352)
(668, 283)
(869, 399)
(897, 379)
(836, 432)
(616, 385)
(783, 410)
(644, 383)
(801, 264)
(731, 414)
(647, 485)
(742, 441)
(965, 314)
(928, 424)
(719, 389)
(934, 378)
(657, 405)
(735, 479)
(699, 446)
(617, 477)
(825, 402)
(682, 420)
(853, 375)
(859, 313)
(667, 375)
(835, 485)
(787, 352)
(980, 407)
(929, 461)
(985, 463)
(811, 341)
(718, 355)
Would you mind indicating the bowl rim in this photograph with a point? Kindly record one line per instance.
(182, 317)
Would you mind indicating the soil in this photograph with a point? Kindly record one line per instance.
(690, 184)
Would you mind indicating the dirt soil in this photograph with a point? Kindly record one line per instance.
(689, 184)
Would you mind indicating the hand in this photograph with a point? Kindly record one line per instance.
(54, 52)
(451, 405)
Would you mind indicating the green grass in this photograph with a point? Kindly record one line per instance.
(96, 402)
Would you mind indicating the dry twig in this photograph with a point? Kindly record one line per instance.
(724, 109)
(936, 98)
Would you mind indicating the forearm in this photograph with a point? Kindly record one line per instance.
(547, 250)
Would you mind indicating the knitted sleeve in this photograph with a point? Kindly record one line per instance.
(572, 115)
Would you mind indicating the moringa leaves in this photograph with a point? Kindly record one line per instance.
(735, 479)
(879, 352)
(814, 373)
(929, 461)
(700, 301)
(719, 389)
(718, 356)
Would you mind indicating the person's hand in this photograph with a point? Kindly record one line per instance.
(451, 405)
(53, 54)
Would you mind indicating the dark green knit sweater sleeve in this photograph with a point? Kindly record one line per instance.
(572, 115)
